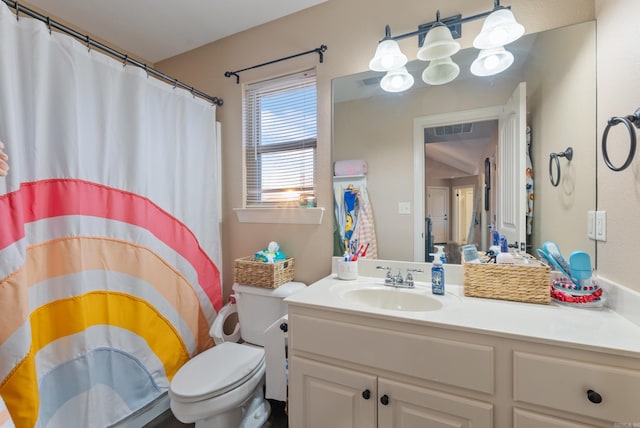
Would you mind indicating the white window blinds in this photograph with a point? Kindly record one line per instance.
(280, 119)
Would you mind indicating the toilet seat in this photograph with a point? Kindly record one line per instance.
(230, 365)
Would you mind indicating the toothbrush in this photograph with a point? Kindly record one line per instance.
(355, 256)
(364, 253)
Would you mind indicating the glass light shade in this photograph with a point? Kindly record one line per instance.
(438, 44)
(440, 71)
(500, 28)
(397, 80)
(388, 56)
(492, 61)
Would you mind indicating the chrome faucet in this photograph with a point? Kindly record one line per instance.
(397, 280)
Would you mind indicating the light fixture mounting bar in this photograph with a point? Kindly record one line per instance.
(453, 22)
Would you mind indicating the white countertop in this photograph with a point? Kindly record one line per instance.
(594, 329)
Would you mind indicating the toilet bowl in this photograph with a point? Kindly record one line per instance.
(223, 387)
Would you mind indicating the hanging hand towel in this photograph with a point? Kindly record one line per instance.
(349, 167)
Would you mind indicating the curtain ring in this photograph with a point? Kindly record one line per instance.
(632, 141)
(88, 44)
(554, 158)
(49, 24)
(17, 11)
(124, 60)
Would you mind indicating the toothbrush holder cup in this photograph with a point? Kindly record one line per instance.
(347, 270)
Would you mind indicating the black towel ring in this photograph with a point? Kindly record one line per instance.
(628, 121)
(553, 158)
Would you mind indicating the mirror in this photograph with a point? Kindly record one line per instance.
(558, 67)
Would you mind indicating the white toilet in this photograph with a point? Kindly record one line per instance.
(222, 387)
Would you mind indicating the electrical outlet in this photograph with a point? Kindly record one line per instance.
(601, 225)
(591, 224)
(404, 208)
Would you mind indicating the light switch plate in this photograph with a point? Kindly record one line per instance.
(601, 225)
(404, 208)
(591, 224)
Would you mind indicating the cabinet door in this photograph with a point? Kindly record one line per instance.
(410, 406)
(322, 396)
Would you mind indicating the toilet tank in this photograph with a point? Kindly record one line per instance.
(260, 307)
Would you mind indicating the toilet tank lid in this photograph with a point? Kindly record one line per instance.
(285, 290)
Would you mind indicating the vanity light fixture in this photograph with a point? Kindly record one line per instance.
(438, 48)
(388, 54)
(437, 45)
(397, 80)
(499, 29)
(492, 61)
(440, 71)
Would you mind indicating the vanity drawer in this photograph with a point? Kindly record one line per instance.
(525, 419)
(563, 384)
(464, 365)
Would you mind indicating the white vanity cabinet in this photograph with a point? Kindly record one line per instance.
(350, 372)
(353, 369)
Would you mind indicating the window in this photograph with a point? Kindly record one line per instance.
(280, 119)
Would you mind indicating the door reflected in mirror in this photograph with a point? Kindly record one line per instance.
(558, 67)
(458, 161)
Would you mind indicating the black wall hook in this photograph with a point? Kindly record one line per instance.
(554, 159)
(629, 121)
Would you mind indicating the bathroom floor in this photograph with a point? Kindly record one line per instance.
(278, 419)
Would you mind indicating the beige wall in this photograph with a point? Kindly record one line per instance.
(561, 105)
(350, 29)
(619, 95)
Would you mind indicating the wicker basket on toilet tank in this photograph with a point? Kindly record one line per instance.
(247, 271)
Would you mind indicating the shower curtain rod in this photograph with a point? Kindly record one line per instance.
(93, 43)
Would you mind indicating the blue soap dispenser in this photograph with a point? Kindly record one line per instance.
(437, 276)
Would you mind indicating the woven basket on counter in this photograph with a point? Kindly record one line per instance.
(520, 283)
(247, 271)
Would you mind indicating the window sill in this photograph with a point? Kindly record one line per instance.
(280, 215)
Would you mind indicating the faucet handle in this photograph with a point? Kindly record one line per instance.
(409, 278)
(388, 279)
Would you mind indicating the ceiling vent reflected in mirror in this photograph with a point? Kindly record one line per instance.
(469, 132)
(371, 81)
(461, 128)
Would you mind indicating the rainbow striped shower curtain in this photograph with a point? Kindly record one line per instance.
(109, 231)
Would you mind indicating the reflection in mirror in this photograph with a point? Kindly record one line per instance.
(558, 67)
(455, 158)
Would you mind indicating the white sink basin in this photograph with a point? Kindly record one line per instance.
(395, 299)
